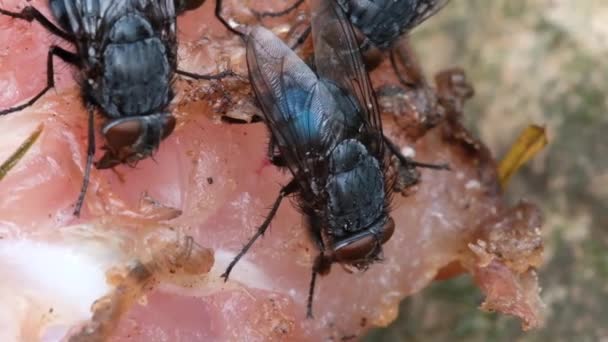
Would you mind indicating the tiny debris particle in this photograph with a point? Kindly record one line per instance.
(363, 322)
(210, 180)
(472, 184)
(408, 152)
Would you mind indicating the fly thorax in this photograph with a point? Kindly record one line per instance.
(354, 189)
(130, 28)
(136, 75)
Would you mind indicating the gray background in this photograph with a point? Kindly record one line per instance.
(530, 61)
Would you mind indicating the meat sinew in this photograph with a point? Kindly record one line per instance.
(144, 260)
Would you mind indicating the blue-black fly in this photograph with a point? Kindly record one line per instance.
(126, 52)
(326, 130)
(378, 23)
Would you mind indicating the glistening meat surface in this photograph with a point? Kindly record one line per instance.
(211, 181)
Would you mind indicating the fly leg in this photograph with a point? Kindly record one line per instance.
(321, 266)
(408, 161)
(407, 175)
(279, 13)
(274, 155)
(398, 73)
(311, 291)
(218, 15)
(287, 190)
(89, 163)
(301, 38)
(66, 56)
(218, 76)
(30, 14)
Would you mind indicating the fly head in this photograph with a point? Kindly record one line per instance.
(131, 139)
(364, 247)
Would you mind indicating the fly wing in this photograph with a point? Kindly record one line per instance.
(298, 108)
(338, 59)
(162, 17)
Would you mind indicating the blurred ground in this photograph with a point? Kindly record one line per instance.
(544, 62)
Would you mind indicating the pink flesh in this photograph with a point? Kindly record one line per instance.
(435, 226)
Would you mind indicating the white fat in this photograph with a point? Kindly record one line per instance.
(408, 151)
(49, 283)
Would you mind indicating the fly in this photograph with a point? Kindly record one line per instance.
(382, 22)
(126, 52)
(326, 130)
(378, 23)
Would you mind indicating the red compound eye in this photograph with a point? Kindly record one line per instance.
(169, 126)
(389, 229)
(123, 134)
(361, 248)
(356, 250)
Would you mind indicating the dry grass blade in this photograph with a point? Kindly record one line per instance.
(20, 152)
(531, 141)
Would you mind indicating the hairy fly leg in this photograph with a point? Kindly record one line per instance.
(300, 39)
(281, 13)
(66, 56)
(287, 190)
(297, 41)
(208, 77)
(405, 64)
(30, 13)
(408, 161)
(274, 154)
(219, 5)
(89, 163)
(402, 76)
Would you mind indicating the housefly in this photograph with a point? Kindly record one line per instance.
(378, 23)
(381, 22)
(326, 130)
(126, 52)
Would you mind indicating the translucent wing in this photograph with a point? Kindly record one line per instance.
(299, 109)
(338, 59)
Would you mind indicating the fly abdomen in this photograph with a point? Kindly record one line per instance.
(137, 74)
(355, 188)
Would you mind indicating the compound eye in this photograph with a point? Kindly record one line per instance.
(357, 250)
(169, 126)
(123, 134)
(361, 248)
(389, 229)
(187, 5)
